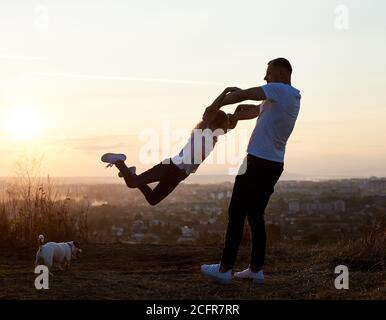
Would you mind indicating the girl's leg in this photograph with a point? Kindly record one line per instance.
(168, 176)
(161, 191)
(134, 181)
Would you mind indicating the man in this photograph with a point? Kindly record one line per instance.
(276, 117)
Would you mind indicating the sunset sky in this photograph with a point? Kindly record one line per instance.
(81, 78)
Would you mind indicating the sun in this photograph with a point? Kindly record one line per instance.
(23, 123)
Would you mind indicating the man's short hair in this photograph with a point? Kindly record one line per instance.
(282, 63)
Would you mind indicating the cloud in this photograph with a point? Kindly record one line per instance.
(95, 147)
(112, 143)
(122, 78)
(21, 58)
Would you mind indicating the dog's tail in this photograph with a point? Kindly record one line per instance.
(40, 240)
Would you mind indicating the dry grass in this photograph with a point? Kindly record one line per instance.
(31, 206)
(120, 271)
(366, 253)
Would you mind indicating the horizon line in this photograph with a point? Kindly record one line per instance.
(221, 178)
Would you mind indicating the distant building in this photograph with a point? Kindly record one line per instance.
(157, 222)
(137, 237)
(138, 227)
(293, 206)
(187, 232)
(151, 238)
(187, 235)
(212, 220)
(117, 231)
(340, 206)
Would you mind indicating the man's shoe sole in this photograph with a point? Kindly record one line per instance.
(222, 281)
(258, 281)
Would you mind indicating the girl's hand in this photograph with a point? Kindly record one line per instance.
(211, 111)
(232, 121)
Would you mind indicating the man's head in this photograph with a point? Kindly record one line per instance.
(279, 70)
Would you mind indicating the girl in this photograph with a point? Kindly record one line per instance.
(170, 172)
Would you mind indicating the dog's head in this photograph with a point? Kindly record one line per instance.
(75, 249)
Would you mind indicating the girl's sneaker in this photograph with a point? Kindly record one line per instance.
(112, 158)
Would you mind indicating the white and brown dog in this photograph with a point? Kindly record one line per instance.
(57, 254)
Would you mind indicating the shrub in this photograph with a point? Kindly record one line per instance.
(30, 206)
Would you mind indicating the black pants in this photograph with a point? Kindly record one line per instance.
(251, 193)
(168, 175)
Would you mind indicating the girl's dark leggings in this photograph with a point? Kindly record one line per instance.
(167, 174)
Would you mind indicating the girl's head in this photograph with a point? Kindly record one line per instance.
(220, 121)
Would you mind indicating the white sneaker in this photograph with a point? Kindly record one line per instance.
(257, 277)
(132, 170)
(111, 158)
(212, 271)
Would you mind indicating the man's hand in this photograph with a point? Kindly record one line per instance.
(231, 89)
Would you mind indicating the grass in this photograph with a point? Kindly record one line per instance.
(121, 271)
(368, 252)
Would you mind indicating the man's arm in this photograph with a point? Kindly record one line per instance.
(256, 93)
(245, 112)
(236, 96)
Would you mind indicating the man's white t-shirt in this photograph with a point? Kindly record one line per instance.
(276, 121)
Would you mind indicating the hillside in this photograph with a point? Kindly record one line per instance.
(120, 271)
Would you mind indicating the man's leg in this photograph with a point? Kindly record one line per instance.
(266, 177)
(236, 220)
(257, 226)
(222, 272)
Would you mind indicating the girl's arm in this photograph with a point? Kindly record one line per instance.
(210, 111)
(217, 103)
